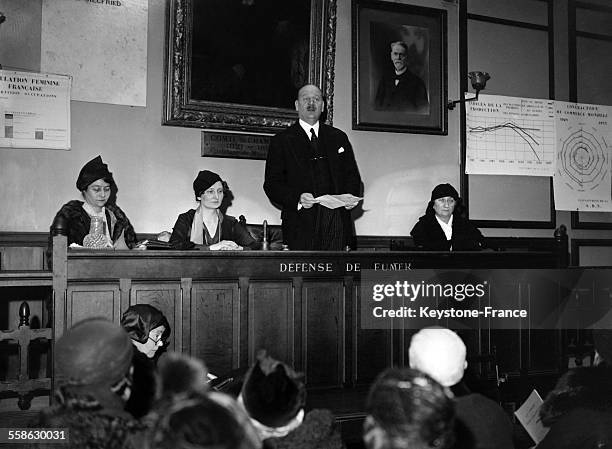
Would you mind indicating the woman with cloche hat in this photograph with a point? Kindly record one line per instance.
(207, 227)
(443, 227)
(98, 190)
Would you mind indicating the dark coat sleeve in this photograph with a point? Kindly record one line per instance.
(466, 236)
(238, 233)
(182, 230)
(276, 185)
(352, 179)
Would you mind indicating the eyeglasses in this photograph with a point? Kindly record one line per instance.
(157, 342)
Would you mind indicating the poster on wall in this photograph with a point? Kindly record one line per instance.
(510, 136)
(102, 44)
(582, 180)
(34, 110)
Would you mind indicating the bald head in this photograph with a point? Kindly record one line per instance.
(309, 103)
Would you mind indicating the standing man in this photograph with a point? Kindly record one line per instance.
(400, 88)
(305, 161)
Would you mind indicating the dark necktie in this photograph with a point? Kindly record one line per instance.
(314, 144)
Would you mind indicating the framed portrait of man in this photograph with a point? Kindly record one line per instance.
(399, 65)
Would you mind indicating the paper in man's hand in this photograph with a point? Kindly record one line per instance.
(336, 201)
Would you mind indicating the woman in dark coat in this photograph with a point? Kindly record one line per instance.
(443, 228)
(149, 330)
(206, 227)
(99, 190)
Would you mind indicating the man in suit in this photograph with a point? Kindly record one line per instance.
(400, 88)
(305, 161)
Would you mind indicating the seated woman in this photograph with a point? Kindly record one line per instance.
(207, 227)
(149, 330)
(443, 228)
(99, 190)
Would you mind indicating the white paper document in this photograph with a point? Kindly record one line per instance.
(528, 415)
(34, 110)
(336, 201)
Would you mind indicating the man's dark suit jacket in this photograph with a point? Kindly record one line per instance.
(409, 93)
(289, 174)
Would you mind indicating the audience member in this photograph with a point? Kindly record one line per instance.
(408, 409)
(93, 363)
(149, 330)
(273, 395)
(579, 409)
(481, 423)
(180, 374)
(202, 421)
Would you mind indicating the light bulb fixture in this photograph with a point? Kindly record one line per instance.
(479, 81)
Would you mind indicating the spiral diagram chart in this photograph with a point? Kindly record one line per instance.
(582, 160)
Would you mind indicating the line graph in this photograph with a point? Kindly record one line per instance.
(509, 135)
(527, 134)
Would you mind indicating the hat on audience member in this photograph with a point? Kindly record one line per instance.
(203, 181)
(182, 374)
(440, 353)
(93, 352)
(140, 319)
(444, 190)
(273, 393)
(602, 339)
(92, 171)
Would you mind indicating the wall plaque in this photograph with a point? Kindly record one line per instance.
(238, 146)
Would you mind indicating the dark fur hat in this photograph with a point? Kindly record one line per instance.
(273, 393)
(181, 374)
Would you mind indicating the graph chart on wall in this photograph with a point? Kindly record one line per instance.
(510, 136)
(582, 180)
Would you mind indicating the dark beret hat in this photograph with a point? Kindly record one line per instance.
(92, 171)
(203, 181)
(443, 190)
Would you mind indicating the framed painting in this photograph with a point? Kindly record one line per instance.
(236, 65)
(399, 68)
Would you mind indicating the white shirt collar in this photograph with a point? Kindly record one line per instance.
(307, 126)
(446, 227)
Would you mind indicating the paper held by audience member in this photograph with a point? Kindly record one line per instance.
(336, 201)
(529, 416)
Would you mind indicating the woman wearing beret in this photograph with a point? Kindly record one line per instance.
(207, 227)
(443, 228)
(98, 189)
(149, 330)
